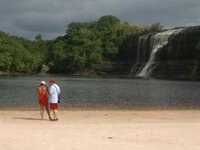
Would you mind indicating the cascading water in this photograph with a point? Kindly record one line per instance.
(142, 43)
(141, 55)
(157, 41)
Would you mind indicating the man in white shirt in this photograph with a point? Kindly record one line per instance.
(54, 91)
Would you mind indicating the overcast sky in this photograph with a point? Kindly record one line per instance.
(28, 18)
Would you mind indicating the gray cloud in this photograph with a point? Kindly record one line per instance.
(28, 18)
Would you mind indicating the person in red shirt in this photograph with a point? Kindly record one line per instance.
(43, 99)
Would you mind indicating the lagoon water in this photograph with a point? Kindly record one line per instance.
(20, 91)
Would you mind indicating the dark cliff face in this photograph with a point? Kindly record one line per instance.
(176, 55)
(179, 59)
(182, 46)
(128, 50)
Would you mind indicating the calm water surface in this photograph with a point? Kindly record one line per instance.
(21, 91)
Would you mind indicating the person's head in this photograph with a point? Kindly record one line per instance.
(52, 81)
(42, 83)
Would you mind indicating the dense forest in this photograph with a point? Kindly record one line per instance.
(86, 47)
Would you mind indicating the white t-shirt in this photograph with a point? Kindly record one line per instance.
(54, 90)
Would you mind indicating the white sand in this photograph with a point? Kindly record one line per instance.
(101, 130)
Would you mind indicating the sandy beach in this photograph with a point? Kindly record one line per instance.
(101, 130)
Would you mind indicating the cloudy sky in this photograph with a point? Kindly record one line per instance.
(28, 18)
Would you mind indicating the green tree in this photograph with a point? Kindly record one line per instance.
(6, 61)
(154, 27)
(83, 48)
(107, 22)
(112, 33)
(57, 58)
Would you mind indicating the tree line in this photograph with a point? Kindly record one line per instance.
(83, 48)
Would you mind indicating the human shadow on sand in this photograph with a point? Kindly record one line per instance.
(26, 118)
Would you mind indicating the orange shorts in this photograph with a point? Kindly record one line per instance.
(53, 105)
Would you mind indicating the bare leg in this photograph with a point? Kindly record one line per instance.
(55, 112)
(48, 112)
(42, 111)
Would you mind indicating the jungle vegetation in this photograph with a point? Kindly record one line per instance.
(84, 47)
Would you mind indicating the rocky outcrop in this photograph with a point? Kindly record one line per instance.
(44, 69)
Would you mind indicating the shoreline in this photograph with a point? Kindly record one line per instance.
(99, 108)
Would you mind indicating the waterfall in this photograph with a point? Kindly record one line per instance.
(141, 53)
(142, 43)
(157, 41)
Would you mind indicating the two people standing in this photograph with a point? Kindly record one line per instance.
(49, 95)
